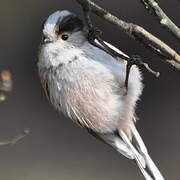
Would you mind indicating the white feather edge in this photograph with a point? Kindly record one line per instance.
(143, 161)
(112, 47)
(148, 159)
(140, 161)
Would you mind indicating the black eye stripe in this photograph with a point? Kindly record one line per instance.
(70, 23)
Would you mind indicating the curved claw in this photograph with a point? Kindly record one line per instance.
(94, 33)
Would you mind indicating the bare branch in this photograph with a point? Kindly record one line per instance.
(6, 87)
(16, 139)
(136, 32)
(164, 20)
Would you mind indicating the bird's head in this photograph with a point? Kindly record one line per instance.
(63, 28)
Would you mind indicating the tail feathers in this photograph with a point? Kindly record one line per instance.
(141, 156)
(134, 149)
(143, 150)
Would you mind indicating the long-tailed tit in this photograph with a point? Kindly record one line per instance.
(86, 84)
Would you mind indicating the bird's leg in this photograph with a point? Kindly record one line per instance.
(87, 11)
(133, 60)
(128, 68)
(94, 33)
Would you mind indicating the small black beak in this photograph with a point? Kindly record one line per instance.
(46, 40)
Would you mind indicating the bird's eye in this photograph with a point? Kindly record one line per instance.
(64, 37)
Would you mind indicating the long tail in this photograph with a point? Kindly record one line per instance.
(135, 150)
(140, 154)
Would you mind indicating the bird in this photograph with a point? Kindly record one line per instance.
(86, 84)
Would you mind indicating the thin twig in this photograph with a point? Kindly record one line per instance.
(153, 7)
(16, 139)
(138, 33)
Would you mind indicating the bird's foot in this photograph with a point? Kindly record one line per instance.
(94, 33)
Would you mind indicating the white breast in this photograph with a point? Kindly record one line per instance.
(88, 86)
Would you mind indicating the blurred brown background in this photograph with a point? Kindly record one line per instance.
(57, 149)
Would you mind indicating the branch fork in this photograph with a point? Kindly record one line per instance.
(168, 54)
